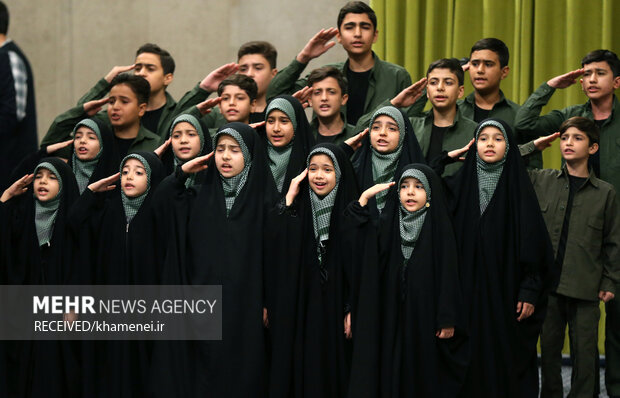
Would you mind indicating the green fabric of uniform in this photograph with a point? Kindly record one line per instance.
(384, 164)
(196, 124)
(489, 173)
(322, 207)
(46, 212)
(233, 185)
(414, 33)
(347, 131)
(83, 169)
(132, 205)
(278, 157)
(411, 222)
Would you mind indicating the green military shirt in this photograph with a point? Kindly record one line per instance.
(529, 120)
(347, 132)
(63, 125)
(171, 108)
(505, 109)
(592, 257)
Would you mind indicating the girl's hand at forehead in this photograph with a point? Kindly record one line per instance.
(105, 184)
(57, 146)
(372, 191)
(293, 189)
(197, 164)
(355, 142)
(17, 188)
(162, 148)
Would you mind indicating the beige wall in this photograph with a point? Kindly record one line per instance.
(73, 43)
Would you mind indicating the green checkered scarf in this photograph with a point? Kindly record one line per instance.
(83, 169)
(489, 173)
(411, 222)
(132, 205)
(384, 165)
(191, 180)
(45, 212)
(322, 207)
(279, 157)
(233, 185)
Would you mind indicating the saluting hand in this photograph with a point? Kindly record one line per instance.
(17, 188)
(117, 70)
(410, 95)
(57, 146)
(162, 148)
(317, 45)
(303, 96)
(92, 107)
(105, 184)
(205, 106)
(372, 191)
(293, 189)
(213, 79)
(542, 143)
(457, 153)
(566, 80)
(355, 142)
(197, 164)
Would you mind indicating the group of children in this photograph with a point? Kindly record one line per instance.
(377, 250)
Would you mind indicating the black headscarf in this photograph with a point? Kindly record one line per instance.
(362, 160)
(504, 255)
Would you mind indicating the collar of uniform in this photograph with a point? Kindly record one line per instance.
(377, 65)
(615, 109)
(591, 177)
(315, 123)
(429, 116)
(471, 98)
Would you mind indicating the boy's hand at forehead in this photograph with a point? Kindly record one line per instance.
(197, 164)
(566, 80)
(213, 79)
(409, 95)
(117, 70)
(205, 106)
(543, 143)
(303, 96)
(91, 108)
(317, 45)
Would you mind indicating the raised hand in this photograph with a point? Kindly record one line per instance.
(92, 107)
(59, 145)
(105, 184)
(566, 80)
(355, 142)
(117, 70)
(317, 45)
(457, 153)
(445, 333)
(257, 124)
(293, 189)
(162, 148)
(303, 96)
(543, 143)
(213, 79)
(372, 191)
(205, 106)
(526, 310)
(17, 188)
(197, 164)
(409, 95)
(347, 326)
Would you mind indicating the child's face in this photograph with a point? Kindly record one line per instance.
(598, 80)
(443, 88)
(148, 65)
(236, 105)
(491, 144)
(185, 141)
(123, 108)
(134, 179)
(485, 71)
(228, 156)
(575, 145)
(357, 34)
(257, 67)
(384, 134)
(321, 174)
(280, 130)
(327, 99)
(412, 194)
(46, 185)
(86, 143)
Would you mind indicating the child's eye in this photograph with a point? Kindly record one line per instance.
(419, 186)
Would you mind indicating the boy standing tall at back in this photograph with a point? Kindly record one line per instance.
(370, 79)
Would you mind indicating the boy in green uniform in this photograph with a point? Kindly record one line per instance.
(327, 97)
(581, 214)
(370, 79)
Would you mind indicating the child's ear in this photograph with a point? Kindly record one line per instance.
(616, 82)
(168, 77)
(141, 109)
(593, 148)
(461, 91)
(274, 72)
(252, 105)
(505, 71)
(344, 100)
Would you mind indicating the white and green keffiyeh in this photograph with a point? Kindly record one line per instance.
(411, 222)
(384, 165)
(83, 169)
(191, 180)
(489, 173)
(322, 207)
(132, 205)
(279, 157)
(45, 212)
(233, 185)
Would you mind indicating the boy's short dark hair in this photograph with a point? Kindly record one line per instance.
(324, 72)
(167, 63)
(244, 82)
(583, 124)
(4, 18)
(139, 85)
(452, 64)
(495, 45)
(603, 55)
(263, 48)
(357, 7)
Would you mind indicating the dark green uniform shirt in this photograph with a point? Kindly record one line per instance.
(347, 132)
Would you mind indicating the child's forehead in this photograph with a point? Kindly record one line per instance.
(327, 82)
(321, 158)
(352, 17)
(254, 58)
(133, 162)
(148, 58)
(85, 129)
(124, 90)
(408, 180)
(491, 130)
(45, 170)
(384, 119)
(232, 89)
(484, 55)
(225, 139)
(441, 73)
(600, 65)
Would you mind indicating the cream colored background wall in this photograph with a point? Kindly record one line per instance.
(73, 43)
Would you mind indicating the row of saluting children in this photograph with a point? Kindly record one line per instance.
(370, 277)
